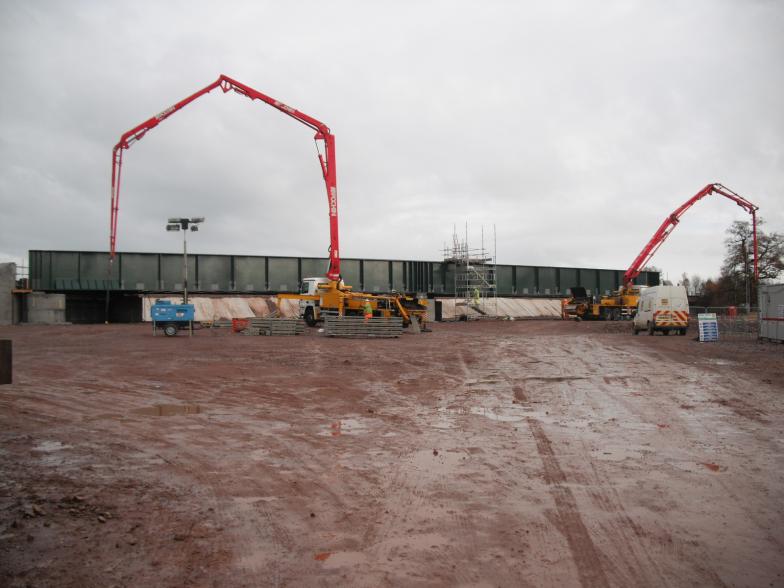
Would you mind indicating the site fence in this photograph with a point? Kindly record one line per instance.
(735, 322)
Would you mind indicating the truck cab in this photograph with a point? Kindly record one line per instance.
(664, 309)
(310, 309)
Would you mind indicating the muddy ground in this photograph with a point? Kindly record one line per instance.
(481, 454)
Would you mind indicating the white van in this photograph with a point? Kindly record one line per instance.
(662, 308)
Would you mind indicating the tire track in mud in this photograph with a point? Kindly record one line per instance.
(491, 371)
(568, 519)
(637, 548)
(408, 494)
(640, 542)
(244, 524)
(697, 430)
(626, 565)
(262, 544)
(419, 503)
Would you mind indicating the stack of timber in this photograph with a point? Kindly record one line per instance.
(274, 326)
(358, 327)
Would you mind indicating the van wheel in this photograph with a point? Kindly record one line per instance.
(310, 317)
(650, 329)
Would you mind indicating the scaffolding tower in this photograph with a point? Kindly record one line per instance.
(476, 295)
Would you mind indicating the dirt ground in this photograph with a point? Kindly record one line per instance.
(539, 453)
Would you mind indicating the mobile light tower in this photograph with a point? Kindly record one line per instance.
(176, 224)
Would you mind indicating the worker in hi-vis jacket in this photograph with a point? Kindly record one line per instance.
(368, 308)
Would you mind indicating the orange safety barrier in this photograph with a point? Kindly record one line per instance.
(238, 325)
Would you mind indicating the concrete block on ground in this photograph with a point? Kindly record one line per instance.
(431, 310)
(7, 284)
(6, 363)
(43, 308)
(517, 308)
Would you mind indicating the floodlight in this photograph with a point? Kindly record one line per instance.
(176, 224)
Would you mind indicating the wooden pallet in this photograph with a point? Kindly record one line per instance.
(358, 327)
(274, 326)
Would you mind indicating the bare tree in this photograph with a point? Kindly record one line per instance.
(737, 271)
(696, 285)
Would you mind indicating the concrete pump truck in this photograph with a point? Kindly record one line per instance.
(622, 304)
(318, 296)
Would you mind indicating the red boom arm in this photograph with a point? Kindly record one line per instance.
(323, 134)
(671, 222)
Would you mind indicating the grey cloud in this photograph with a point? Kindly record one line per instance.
(574, 128)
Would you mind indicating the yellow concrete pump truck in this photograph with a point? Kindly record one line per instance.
(622, 304)
(319, 296)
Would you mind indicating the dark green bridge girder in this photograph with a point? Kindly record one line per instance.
(68, 271)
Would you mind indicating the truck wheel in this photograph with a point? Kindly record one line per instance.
(170, 330)
(650, 329)
(666, 332)
(682, 332)
(635, 331)
(310, 317)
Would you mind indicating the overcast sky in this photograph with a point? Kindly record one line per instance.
(573, 127)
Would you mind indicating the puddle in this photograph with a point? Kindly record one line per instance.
(620, 453)
(254, 499)
(507, 415)
(168, 409)
(554, 378)
(721, 362)
(344, 427)
(497, 414)
(49, 446)
(49, 453)
(258, 454)
(444, 418)
(442, 423)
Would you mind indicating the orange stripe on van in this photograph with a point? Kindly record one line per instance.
(671, 318)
